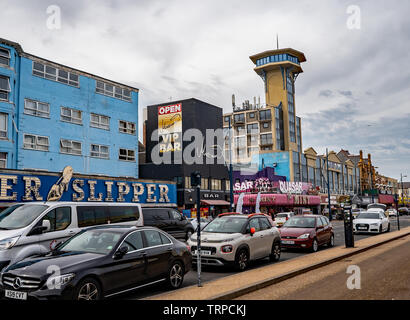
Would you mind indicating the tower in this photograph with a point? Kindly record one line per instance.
(279, 70)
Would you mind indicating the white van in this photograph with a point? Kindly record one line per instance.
(31, 228)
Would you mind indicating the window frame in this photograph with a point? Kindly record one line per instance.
(115, 94)
(99, 124)
(55, 77)
(3, 158)
(125, 129)
(36, 111)
(36, 143)
(8, 57)
(71, 143)
(6, 120)
(127, 155)
(99, 151)
(72, 119)
(7, 90)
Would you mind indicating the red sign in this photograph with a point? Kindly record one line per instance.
(174, 108)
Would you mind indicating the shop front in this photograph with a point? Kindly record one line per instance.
(272, 203)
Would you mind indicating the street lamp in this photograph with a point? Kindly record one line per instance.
(371, 181)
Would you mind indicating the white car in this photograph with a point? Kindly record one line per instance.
(371, 221)
(194, 222)
(282, 217)
(392, 212)
(236, 239)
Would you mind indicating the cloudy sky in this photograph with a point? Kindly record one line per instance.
(354, 93)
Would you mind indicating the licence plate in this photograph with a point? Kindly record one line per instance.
(203, 252)
(362, 228)
(288, 242)
(16, 295)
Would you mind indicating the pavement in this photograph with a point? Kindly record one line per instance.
(239, 284)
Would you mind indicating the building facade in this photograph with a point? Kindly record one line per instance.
(53, 115)
(166, 125)
(267, 132)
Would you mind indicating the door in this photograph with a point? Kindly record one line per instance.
(320, 231)
(158, 254)
(255, 242)
(327, 229)
(130, 270)
(60, 228)
(268, 236)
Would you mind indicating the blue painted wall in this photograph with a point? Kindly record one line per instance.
(281, 159)
(84, 98)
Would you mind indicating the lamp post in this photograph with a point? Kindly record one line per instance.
(402, 189)
(371, 181)
(230, 168)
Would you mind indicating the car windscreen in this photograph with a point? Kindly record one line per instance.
(369, 215)
(20, 216)
(226, 225)
(300, 222)
(92, 241)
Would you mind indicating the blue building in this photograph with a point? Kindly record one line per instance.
(52, 115)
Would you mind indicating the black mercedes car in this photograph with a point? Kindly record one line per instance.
(98, 263)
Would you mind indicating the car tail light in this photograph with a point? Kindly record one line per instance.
(287, 218)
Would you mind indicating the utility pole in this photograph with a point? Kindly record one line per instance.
(230, 168)
(328, 185)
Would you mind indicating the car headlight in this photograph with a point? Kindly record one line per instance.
(304, 236)
(374, 224)
(56, 282)
(8, 243)
(228, 240)
(227, 249)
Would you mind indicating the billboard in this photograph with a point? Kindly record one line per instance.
(170, 128)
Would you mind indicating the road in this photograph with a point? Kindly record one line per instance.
(209, 273)
(384, 275)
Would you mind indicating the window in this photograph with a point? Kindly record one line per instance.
(153, 238)
(176, 215)
(227, 118)
(34, 142)
(227, 185)
(127, 127)
(99, 151)
(71, 115)
(70, 147)
(216, 184)
(252, 128)
(4, 57)
(188, 182)
(89, 215)
(266, 139)
(252, 115)
(100, 121)
(254, 223)
(118, 214)
(4, 88)
(266, 125)
(113, 91)
(134, 241)
(55, 74)
(3, 160)
(264, 223)
(3, 125)
(204, 183)
(36, 108)
(127, 155)
(239, 117)
(59, 218)
(264, 115)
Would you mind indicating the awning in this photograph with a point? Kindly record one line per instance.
(215, 202)
(386, 199)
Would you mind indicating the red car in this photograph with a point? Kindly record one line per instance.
(307, 232)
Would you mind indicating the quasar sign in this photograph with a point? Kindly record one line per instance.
(21, 185)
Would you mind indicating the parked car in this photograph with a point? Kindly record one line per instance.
(404, 211)
(357, 211)
(307, 232)
(194, 222)
(282, 217)
(170, 220)
(236, 239)
(28, 229)
(98, 263)
(371, 221)
(391, 212)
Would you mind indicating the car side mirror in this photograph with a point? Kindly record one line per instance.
(120, 252)
(252, 231)
(46, 225)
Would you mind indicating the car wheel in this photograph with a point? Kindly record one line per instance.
(242, 260)
(88, 289)
(331, 241)
(315, 246)
(175, 275)
(189, 234)
(275, 252)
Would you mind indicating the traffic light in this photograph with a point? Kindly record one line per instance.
(195, 179)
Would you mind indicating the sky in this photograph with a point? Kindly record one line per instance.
(353, 95)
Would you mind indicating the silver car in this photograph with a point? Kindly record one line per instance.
(236, 239)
